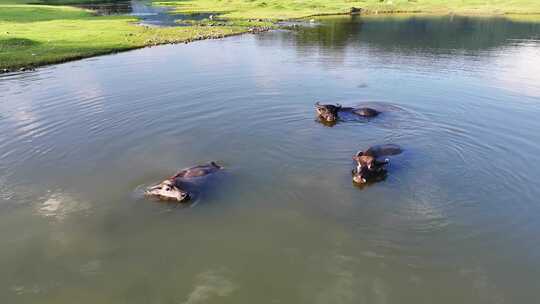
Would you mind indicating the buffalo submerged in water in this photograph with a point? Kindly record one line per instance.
(329, 113)
(371, 163)
(174, 187)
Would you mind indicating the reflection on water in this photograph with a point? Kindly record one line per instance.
(436, 35)
(455, 221)
(59, 205)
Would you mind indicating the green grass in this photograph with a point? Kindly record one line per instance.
(33, 35)
(282, 9)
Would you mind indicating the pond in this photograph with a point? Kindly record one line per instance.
(455, 221)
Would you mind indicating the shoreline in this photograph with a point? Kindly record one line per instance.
(253, 30)
(33, 67)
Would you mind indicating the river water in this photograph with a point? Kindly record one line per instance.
(147, 13)
(456, 220)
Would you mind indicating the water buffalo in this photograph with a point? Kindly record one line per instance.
(363, 175)
(329, 113)
(369, 163)
(174, 187)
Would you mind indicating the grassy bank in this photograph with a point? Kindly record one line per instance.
(281, 9)
(33, 35)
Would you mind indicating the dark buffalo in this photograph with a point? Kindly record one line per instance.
(173, 188)
(370, 164)
(329, 113)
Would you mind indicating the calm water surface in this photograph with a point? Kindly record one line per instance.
(456, 221)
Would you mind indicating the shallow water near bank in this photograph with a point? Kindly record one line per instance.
(147, 13)
(456, 221)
